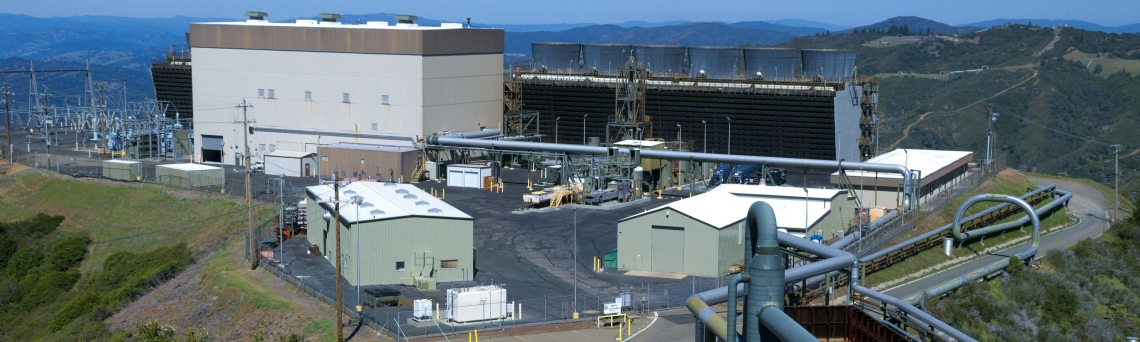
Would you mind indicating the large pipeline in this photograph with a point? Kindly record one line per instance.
(480, 134)
(691, 156)
(943, 229)
(941, 328)
(1025, 255)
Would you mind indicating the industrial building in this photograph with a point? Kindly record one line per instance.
(936, 170)
(778, 102)
(122, 169)
(703, 235)
(290, 163)
(406, 236)
(379, 162)
(309, 83)
(189, 175)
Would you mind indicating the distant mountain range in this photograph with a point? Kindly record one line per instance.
(917, 25)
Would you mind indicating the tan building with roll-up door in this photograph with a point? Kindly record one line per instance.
(310, 83)
(378, 162)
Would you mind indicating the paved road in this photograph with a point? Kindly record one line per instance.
(1087, 203)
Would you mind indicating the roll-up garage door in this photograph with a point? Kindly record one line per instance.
(471, 179)
(668, 249)
(455, 178)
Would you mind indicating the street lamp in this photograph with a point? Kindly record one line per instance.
(556, 128)
(584, 128)
(729, 135)
(807, 228)
(575, 308)
(1116, 181)
(356, 226)
(678, 137)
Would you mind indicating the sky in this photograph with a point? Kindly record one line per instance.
(847, 13)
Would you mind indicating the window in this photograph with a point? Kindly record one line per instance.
(261, 147)
(272, 147)
(362, 160)
(375, 127)
(271, 94)
(308, 95)
(345, 98)
(449, 264)
(324, 158)
(260, 93)
(399, 266)
(384, 99)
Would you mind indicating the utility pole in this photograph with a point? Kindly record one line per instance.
(7, 124)
(249, 208)
(1116, 181)
(339, 300)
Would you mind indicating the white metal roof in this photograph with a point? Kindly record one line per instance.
(121, 161)
(728, 204)
(289, 154)
(371, 25)
(383, 200)
(190, 167)
(927, 162)
(638, 143)
(470, 166)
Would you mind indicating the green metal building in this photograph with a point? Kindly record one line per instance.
(406, 236)
(121, 169)
(704, 235)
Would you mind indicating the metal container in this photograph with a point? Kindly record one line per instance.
(594, 141)
(554, 174)
(561, 58)
(605, 59)
(831, 65)
(475, 304)
(772, 64)
(948, 246)
(714, 62)
(662, 60)
(421, 309)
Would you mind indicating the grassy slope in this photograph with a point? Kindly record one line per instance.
(1006, 182)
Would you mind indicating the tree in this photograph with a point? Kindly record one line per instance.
(1098, 69)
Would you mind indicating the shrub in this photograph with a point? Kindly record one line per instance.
(68, 252)
(24, 260)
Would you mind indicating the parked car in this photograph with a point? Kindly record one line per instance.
(257, 167)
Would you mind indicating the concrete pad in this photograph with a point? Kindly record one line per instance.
(651, 274)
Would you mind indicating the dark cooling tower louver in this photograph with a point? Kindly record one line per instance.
(557, 57)
(329, 17)
(662, 60)
(830, 65)
(714, 61)
(605, 59)
(770, 64)
(255, 15)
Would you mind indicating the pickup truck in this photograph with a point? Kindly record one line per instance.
(257, 167)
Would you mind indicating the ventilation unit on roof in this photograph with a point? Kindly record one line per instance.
(350, 192)
(410, 196)
(435, 211)
(394, 184)
(355, 199)
(376, 212)
(422, 203)
(367, 205)
(255, 15)
(328, 17)
(406, 19)
(401, 191)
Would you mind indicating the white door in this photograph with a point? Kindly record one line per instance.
(472, 179)
(455, 178)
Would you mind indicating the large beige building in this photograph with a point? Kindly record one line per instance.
(312, 83)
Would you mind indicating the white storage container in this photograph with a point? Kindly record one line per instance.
(478, 303)
(421, 309)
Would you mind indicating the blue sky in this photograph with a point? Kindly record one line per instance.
(850, 13)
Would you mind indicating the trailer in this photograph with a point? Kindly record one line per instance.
(473, 304)
(538, 197)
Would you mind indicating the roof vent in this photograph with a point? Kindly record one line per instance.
(350, 192)
(255, 15)
(401, 191)
(410, 196)
(422, 203)
(357, 199)
(328, 17)
(435, 211)
(406, 19)
(367, 205)
(393, 184)
(376, 212)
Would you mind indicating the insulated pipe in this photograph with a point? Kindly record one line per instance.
(485, 133)
(766, 286)
(957, 233)
(944, 228)
(945, 331)
(1065, 196)
(693, 156)
(846, 240)
(732, 282)
(1027, 254)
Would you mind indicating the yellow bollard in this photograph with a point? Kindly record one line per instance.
(628, 327)
(468, 336)
(501, 186)
(529, 185)
(476, 335)
(443, 194)
(620, 330)
(660, 193)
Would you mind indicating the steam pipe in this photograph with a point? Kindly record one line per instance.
(766, 286)
(943, 330)
(1025, 255)
(732, 282)
(943, 229)
(784, 327)
(480, 134)
(908, 185)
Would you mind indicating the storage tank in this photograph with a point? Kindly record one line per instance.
(637, 176)
(830, 64)
(478, 303)
(605, 59)
(559, 58)
(661, 60)
(774, 64)
(715, 61)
